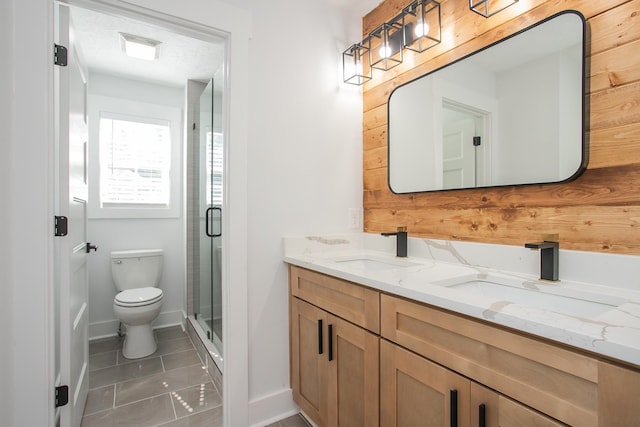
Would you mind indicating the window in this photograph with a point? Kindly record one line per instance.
(214, 168)
(135, 161)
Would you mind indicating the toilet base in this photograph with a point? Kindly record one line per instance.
(139, 342)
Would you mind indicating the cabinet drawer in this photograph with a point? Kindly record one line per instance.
(352, 302)
(551, 379)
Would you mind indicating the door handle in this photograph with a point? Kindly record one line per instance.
(206, 219)
(454, 408)
(90, 247)
(330, 333)
(320, 349)
(482, 415)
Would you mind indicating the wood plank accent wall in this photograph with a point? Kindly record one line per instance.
(600, 211)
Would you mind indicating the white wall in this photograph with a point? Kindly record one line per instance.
(6, 196)
(27, 199)
(135, 233)
(533, 123)
(305, 164)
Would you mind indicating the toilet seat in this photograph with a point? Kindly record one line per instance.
(138, 297)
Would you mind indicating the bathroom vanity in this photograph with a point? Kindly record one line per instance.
(378, 340)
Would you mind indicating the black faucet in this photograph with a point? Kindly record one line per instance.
(548, 258)
(401, 241)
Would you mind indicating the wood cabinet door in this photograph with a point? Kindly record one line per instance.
(417, 392)
(490, 409)
(484, 406)
(353, 375)
(308, 359)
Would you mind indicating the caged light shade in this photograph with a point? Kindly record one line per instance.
(421, 22)
(489, 8)
(356, 64)
(386, 45)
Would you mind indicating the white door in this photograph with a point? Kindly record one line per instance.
(459, 154)
(71, 250)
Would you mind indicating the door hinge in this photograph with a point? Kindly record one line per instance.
(60, 226)
(62, 395)
(477, 140)
(60, 55)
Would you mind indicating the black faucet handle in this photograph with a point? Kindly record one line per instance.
(542, 245)
(395, 233)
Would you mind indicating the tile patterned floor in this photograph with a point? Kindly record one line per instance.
(294, 421)
(170, 388)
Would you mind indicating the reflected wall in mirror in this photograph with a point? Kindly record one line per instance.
(510, 114)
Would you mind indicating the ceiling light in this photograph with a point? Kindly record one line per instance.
(139, 47)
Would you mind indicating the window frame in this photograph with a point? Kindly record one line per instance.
(145, 112)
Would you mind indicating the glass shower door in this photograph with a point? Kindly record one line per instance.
(209, 308)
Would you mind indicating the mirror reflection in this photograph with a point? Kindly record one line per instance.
(510, 114)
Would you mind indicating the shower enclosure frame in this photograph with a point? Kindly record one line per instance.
(204, 216)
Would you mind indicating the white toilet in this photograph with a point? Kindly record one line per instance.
(136, 275)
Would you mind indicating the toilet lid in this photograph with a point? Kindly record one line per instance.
(138, 296)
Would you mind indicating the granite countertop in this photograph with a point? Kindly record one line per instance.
(602, 319)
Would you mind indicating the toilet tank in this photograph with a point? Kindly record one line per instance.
(136, 269)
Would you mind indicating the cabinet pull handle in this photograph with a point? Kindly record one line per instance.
(482, 415)
(454, 407)
(320, 349)
(330, 331)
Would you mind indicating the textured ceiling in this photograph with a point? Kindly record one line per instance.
(180, 57)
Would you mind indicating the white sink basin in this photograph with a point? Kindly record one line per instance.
(370, 263)
(535, 294)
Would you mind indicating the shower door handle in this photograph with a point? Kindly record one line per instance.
(207, 222)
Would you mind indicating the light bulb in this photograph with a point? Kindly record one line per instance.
(422, 29)
(357, 61)
(385, 51)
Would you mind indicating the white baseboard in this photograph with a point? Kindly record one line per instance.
(109, 328)
(272, 408)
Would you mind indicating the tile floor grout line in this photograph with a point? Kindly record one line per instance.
(173, 405)
(164, 370)
(113, 404)
(141, 400)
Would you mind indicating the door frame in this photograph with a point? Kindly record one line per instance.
(235, 23)
(482, 121)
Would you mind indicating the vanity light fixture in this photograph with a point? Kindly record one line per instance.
(489, 8)
(421, 22)
(416, 28)
(356, 63)
(139, 47)
(386, 45)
